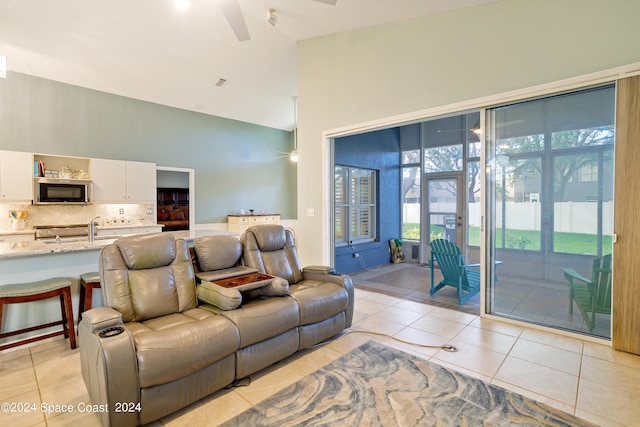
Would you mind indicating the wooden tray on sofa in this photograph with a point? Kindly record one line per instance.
(245, 281)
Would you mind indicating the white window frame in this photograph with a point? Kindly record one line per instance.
(352, 206)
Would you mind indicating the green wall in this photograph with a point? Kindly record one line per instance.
(348, 80)
(236, 164)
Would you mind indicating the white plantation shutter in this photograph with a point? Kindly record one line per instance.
(359, 205)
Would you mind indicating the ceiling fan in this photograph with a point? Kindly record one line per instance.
(293, 154)
(232, 12)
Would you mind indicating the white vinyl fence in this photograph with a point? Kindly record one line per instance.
(570, 217)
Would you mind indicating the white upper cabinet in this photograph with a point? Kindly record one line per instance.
(141, 182)
(118, 181)
(16, 177)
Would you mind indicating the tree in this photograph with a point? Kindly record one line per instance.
(574, 143)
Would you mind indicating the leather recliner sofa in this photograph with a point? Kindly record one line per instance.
(156, 347)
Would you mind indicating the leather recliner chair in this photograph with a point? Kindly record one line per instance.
(151, 351)
(324, 298)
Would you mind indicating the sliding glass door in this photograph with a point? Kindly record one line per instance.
(550, 210)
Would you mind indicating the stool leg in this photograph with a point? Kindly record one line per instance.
(63, 310)
(68, 316)
(81, 303)
(88, 299)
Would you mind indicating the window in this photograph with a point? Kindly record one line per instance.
(355, 205)
(443, 159)
(588, 173)
(411, 195)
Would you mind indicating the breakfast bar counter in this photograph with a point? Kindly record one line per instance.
(31, 248)
(22, 262)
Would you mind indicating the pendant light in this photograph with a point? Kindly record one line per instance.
(294, 154)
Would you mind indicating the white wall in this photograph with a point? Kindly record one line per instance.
(413, 68)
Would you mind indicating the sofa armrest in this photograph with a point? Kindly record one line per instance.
(100, 318)
(328, 274)
(109, 365)
(319, 269)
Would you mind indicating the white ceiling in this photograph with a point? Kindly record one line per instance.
(150, 50)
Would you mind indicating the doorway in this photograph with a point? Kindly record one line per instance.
(175, 208)
(440, 162)
(443, 212)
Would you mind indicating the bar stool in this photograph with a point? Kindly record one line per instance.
(88, 282)
(35, 291)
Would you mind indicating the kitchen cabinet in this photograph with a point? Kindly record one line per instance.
(239, 223)
(118, 181)
(173, 196)
(16, 177)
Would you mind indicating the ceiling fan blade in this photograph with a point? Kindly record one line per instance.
(231, 11)
(331, 2)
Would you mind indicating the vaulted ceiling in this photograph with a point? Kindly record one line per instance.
(155, 51)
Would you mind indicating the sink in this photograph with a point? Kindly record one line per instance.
(76, 239)
(63, 240)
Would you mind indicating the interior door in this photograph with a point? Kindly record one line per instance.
(443, 213)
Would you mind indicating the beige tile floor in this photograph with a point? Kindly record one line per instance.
(586, 379)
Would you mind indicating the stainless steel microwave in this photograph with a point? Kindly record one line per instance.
(62, 191)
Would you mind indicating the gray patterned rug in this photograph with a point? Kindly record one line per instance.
(375, 385)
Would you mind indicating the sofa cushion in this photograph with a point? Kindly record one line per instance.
(318, 300)
(261, 319)
(270, 238)
(147, 251)
(142, 293)
(271, 249)
(178, 214)
(152, 294)
(163, 214)
(174, 346)
(217, 252)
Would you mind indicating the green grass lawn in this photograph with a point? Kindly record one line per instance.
(573, 243)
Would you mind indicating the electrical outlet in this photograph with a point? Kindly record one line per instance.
(121, 211)
(149, 211)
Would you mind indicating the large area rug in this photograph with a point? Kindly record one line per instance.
(375, 385)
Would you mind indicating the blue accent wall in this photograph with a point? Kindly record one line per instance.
(379, 150)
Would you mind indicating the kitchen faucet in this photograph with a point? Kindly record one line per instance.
(92, 229)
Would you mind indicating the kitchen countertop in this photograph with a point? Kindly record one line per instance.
(16, 232)
(98, 227)
(25, 249)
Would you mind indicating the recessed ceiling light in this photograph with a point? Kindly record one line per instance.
(182, 4)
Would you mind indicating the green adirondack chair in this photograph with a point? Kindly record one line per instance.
(464, 277)
(592, 296)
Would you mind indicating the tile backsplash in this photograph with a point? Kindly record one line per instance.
(118, 215)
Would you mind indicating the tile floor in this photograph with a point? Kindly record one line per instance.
(536, 301)
(583, 378)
